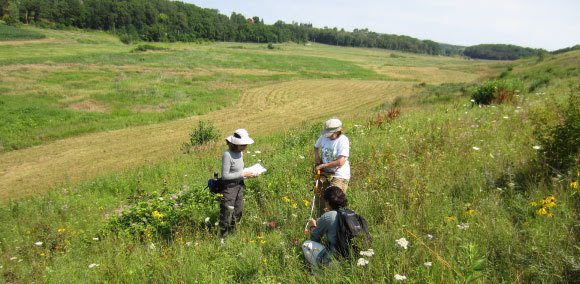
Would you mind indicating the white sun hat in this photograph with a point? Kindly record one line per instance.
(240, 137)
(331, 126)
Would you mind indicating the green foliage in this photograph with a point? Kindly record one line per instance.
(471, 263)
(499, 51)
(202, 134)
(147, 47)
(497, 91)
(560, 143)
(161, 216)
(567, 49)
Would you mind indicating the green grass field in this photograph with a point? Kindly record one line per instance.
(465, 185)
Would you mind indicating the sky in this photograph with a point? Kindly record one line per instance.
(544, 24)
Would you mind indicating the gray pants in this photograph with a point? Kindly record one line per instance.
(231, 207)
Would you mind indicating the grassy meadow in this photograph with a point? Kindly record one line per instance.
(102, 125)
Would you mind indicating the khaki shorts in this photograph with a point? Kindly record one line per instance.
(328, 180)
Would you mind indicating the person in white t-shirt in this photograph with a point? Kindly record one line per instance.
(331, 153)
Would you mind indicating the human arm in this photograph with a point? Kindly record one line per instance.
(339, 162)
(317, 160)
(231, 169)
(322, 225)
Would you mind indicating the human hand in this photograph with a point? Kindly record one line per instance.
(320, 166)
(249, 175)
(312, 222)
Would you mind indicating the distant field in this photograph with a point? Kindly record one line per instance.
(76, 83)
(9, 33)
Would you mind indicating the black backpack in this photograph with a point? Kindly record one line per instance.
(215, 185)
(352, 233)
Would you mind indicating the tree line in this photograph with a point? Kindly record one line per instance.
(164, 20)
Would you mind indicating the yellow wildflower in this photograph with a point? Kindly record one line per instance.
(61, 230)
(450, 218)
(469, 212)
(265, 260)
(549, 199)
(542, 211)
(306, 202)
(533, 203)
(369, 179)
(259, 237)
(526, 223)
(262, 241)
(286, 199)
(156, 214)
(42, 254)
(574, 184)
(252, 241)
(550, 214)
(220, 195)
(294, 205)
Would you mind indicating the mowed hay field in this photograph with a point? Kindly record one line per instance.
(80, 104)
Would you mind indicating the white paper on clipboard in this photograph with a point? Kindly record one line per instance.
(255, 169)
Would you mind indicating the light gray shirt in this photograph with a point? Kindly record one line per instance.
(232, 165)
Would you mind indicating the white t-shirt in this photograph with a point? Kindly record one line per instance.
(331, 149)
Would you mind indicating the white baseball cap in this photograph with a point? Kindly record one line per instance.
(240, 137)
(331, 126)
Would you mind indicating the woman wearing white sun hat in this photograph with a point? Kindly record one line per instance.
(232, 201)
(331, 153)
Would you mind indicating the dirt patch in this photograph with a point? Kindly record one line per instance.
(88, 105)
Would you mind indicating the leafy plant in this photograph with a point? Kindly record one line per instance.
(203, 133)
(471, 263)
(495, 91)
(560, 144)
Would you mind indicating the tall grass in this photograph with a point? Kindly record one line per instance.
(451, 178)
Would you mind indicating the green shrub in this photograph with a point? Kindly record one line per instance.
(203, 133)
(146, 47)
(560, 144)
(494, 91)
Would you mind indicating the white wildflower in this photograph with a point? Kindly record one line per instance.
(400, 277)
(13, 258)
(402, 243)
(506, 117)
(362, 262)
(429, 236)
(301, 157)
(93, 265)
(38, 244)
(188, 244)
(151, 246)
(206, 220)
(428, 264)
(475, 148)
(537, 147)
(160, 198)
(369, 252)
(257, 152)
(95, 239)
(463, 226)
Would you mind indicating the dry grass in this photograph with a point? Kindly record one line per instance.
(430, 75)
